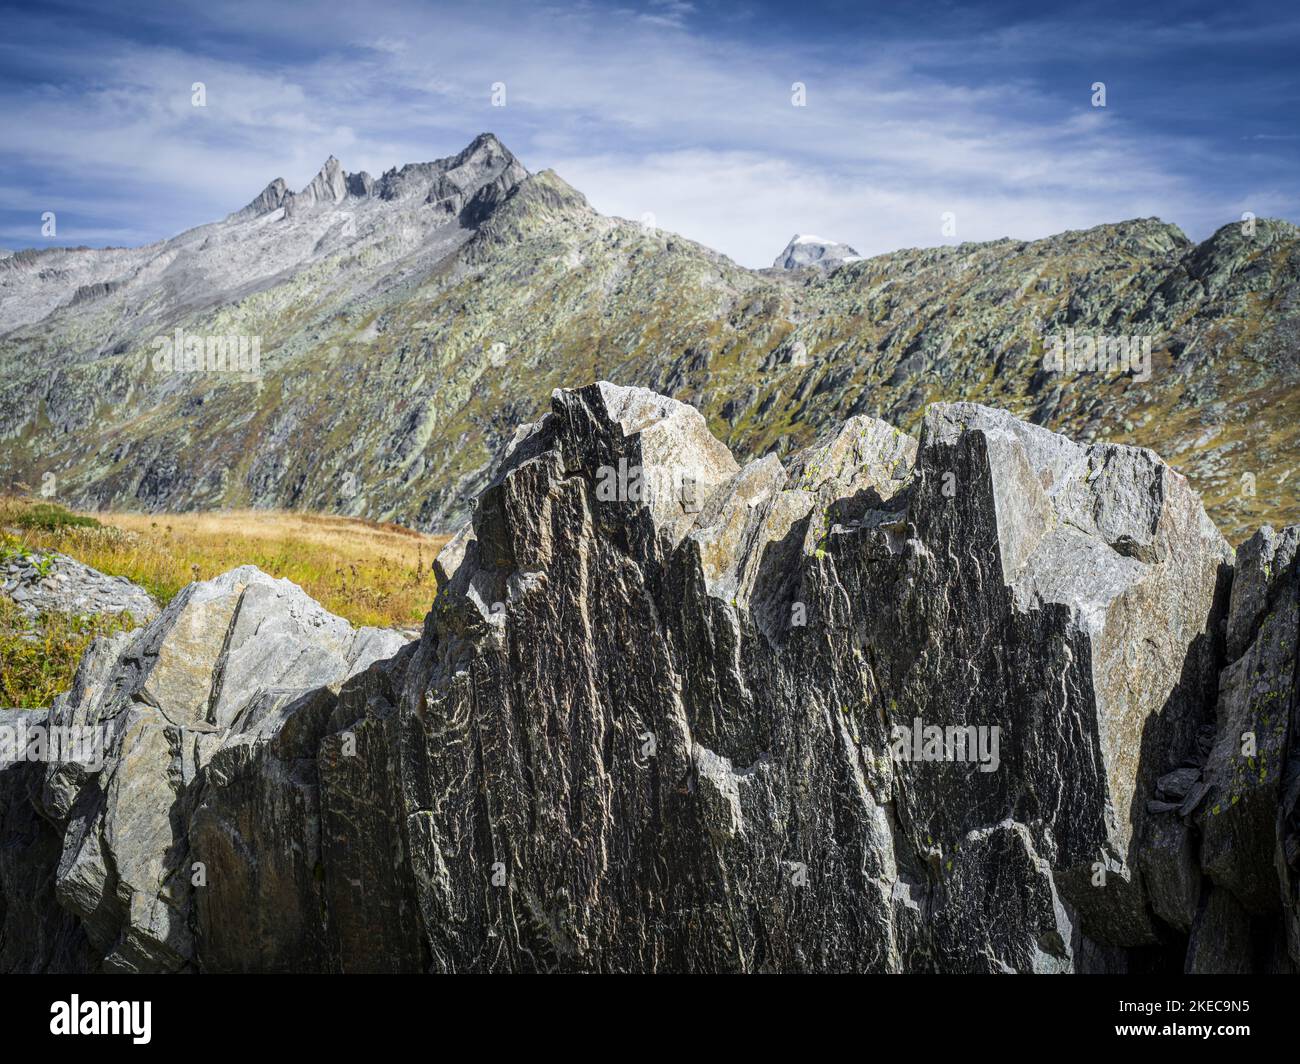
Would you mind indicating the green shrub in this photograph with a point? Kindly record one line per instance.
(49, 517)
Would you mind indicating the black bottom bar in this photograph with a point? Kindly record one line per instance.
(296, 1013)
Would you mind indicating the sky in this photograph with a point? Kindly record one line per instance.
(917, 123)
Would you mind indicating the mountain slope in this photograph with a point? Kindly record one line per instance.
(406, 324)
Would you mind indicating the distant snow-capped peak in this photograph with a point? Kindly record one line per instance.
(805, 249)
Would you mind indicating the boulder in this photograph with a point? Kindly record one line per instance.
(1250, 815)
(163, 702)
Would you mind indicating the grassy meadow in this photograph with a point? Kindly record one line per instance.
(369, 572)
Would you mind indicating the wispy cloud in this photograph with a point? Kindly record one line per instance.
(659, 106)
(671, 13)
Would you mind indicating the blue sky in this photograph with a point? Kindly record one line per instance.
(678, 109)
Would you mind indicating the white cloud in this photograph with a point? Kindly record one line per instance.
(749, 205)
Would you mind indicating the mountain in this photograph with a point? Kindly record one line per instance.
(404, 325)
(804, 250)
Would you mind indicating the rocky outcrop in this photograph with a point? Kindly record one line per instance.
(269, 199)
(51, 582)
(329, 186)
(972, 702)
(36, 933)
(896, 709)
(1245, 799)
(481, 176)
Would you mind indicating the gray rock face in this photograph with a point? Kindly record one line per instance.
(51, 582)
(269, 199)
(36, 934)
(947, 704)
(277, 234)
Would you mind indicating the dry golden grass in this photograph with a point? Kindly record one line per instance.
(39, 656)
(368, 572)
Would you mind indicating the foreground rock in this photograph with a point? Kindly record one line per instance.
(51, 582)
(208, 680)
(1246, 798)
(971, 703)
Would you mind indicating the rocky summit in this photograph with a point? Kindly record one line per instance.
(983, 699)
(366, 345)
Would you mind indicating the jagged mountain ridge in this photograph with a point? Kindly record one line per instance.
(253, 248)
(408, 323)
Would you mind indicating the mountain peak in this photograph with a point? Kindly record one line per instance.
(328, 186)
(484, 152)
(487, 140)
(269, 199)
(805, 249)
